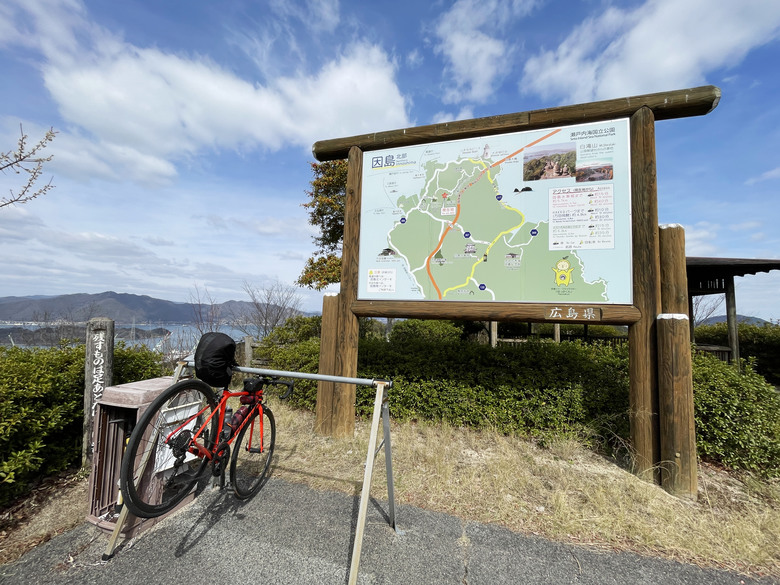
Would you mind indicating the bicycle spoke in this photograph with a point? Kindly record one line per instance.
(161, 463)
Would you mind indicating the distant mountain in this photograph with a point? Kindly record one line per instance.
(121, 307)
(740, 319)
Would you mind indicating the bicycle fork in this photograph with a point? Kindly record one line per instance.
(249, 447)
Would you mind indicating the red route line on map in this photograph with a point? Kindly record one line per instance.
(441, 242)
(457, 213)
(515, 153)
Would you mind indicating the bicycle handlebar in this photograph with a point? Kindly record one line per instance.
(289, 385)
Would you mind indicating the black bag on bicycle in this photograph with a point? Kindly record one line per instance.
(215, 357)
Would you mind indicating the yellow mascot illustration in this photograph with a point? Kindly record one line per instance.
(563, 272)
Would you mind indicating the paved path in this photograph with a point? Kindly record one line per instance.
(290, 535)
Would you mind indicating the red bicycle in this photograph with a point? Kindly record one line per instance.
(186, 430)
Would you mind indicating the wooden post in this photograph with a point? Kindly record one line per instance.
(347, 335)
(691, 316)
(248, 351)
(98, 373)
(674, 277)
(675, 382)
(326, 390)
(643, 384)
(675, 379)
(731, 320)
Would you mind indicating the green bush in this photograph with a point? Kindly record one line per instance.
(537, 413)
(761, 342)
(42, 404)
(295, 329)
(135, 362)
(737, 416)
(535, 388)
(540, 388)
(295, 347)
(412, 330)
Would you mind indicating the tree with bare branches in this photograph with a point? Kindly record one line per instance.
(704, 307)
(27, 160)
(205, 311)
(270, 307)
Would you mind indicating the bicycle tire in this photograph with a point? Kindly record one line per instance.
(252, 456)
(155, 474)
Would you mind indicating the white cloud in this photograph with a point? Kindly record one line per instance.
(767, 176)
(662, 45)
(314, 14)
(17, 224)
(756, 294)
(134, 112)
(465, 113)
(746, 226)
(476, 57)
(276, 44)
(322, 14)
(701, 238)
(414, 59)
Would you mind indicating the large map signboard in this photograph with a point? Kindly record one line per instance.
(542, 216)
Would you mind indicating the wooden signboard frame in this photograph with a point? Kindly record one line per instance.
(340, 314)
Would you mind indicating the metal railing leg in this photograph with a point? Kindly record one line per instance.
(388, 462)
(381, 396)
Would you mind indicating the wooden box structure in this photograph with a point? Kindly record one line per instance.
(116, 415)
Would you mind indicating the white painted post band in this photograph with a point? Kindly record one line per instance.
(673, 316)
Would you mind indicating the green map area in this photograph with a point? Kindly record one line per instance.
(463, 242)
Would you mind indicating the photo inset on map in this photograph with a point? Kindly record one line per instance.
(551, 161)
(597, 170)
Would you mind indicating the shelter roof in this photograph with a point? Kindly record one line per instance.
(709, 275)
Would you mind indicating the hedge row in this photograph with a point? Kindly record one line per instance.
(761, 342)
(540, 389)
(42, 404)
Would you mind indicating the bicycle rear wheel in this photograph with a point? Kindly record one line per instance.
(252, 453)
(158, 470)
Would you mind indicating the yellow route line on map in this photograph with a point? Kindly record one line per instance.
(485, 170)
(478, 262)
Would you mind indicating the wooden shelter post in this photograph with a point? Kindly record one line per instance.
(731, 318)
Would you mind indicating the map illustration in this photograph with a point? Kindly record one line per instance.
(540, 216)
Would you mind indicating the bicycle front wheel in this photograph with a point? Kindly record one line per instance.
(160, 467)
(252, 453)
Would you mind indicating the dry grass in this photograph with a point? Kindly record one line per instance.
(563, 492)
(58, 504)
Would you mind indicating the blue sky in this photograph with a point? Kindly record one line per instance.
(185, 128)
